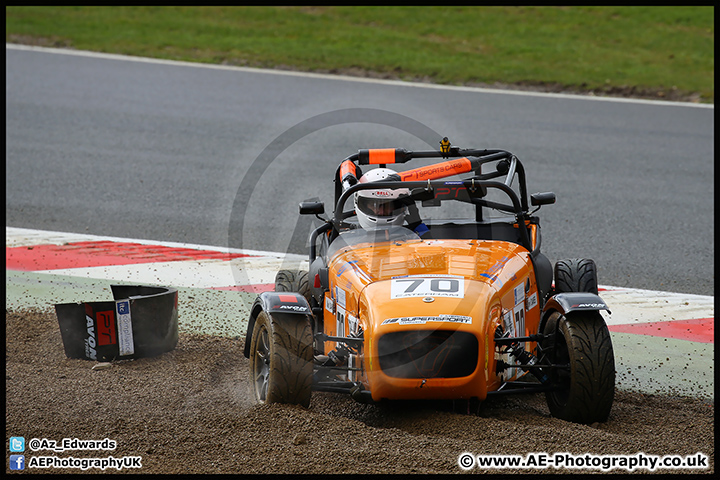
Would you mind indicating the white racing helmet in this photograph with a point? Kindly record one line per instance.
(380, 208)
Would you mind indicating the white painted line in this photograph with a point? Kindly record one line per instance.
(189, 273)
(23, 237)
(629, 306)
(346, 78)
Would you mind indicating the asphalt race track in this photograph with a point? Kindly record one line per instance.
(167, 151)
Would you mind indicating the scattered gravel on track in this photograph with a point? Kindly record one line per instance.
(191, 411)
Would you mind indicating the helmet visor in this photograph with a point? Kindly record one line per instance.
(380, 207)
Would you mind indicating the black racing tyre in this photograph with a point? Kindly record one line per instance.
(293, 281)
(576, 275)
(587, 387)
(281, 354)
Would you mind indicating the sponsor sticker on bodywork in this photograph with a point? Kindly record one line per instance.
(531, 302)
(508, 323)
(423, 320)
(519, 293)
(329, 305)
(340, 316)
(352, 324)
(340, 296)
(519, 313)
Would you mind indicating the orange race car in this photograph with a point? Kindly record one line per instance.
(430, 284)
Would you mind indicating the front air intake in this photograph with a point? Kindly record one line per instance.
(428, 354)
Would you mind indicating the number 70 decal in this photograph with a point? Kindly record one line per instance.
(427, 287)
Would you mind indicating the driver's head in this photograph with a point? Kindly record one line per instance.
(379, 208)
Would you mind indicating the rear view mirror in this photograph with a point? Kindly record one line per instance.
(312, 208)
(546, 198)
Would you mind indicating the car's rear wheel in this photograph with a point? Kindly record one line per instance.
(576, 275)
(281, 359)
(586, 386)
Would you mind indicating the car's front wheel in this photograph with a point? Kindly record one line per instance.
(580, 343)
(576, 275)
(281, 354)
(293, 281)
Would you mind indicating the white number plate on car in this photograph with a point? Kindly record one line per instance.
(427, 286)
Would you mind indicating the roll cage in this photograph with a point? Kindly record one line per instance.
(426, 185)
(470, 160)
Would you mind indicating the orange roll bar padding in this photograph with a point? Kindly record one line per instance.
(347, 167)
(379, 156)
(438, 170)
(382, 156)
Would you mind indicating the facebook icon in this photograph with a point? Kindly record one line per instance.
(17, 462)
